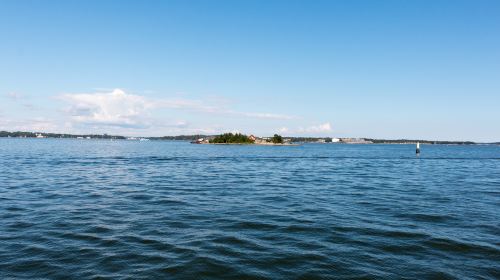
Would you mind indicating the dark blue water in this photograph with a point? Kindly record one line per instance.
(89, 209)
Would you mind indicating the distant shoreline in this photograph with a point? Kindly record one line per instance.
(250, 144)
(294, 140)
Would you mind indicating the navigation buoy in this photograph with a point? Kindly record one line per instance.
(418, 148)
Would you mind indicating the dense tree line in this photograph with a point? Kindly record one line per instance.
(181, 137)
(57, 135)
(277, 139)
(231, 138)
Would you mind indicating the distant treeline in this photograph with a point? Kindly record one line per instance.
(230, 138)
(181, 137)
(308, 139)
(57, 135)
(198, 136)
(408, 141)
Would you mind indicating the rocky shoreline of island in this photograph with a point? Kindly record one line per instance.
(242, 139)
(253, 144)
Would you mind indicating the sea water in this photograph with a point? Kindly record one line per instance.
(96, 209)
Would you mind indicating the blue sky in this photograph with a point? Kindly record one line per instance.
(381, 69)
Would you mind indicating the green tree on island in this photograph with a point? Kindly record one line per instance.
(277, 139)
(230, 138)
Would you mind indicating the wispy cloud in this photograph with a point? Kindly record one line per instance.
(121, 109)
(38, 124)
(217, 109)
(313, 129)
(14, 96)
(21, 100)
(284, 130)
(320, 128)
(122, 112)
(267, 116)
(181, 103)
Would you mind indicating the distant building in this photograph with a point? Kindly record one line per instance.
(355, 141)
(201, 141)
(252, 137)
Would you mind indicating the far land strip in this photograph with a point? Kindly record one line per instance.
(225, 139)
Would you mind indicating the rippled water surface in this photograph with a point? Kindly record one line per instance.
(86, 209)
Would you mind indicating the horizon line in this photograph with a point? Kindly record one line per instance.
(288, 136)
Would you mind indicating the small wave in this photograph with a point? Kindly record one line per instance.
(455, 246)
(423, 217)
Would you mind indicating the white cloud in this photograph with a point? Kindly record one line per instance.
(284, 130)
(120, 109)
(115, 108)
(320, 128)
(120, 112)
(311, 130)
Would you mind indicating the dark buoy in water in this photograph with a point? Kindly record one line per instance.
(418, 149)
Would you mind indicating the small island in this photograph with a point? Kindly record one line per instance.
(242, 139)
